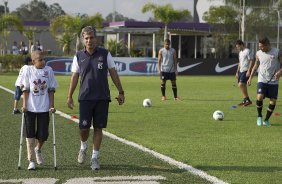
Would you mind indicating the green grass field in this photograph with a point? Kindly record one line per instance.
(234, 150)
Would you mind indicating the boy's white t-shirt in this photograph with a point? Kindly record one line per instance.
(19, 80)
(38, 82)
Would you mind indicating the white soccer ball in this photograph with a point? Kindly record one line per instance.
(147, 102)
(218, 115)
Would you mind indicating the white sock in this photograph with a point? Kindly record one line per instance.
(95, 154)
(83, 145)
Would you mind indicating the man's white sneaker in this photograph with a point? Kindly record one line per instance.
(38, 156)
(81, 156)
(95, 164)
(31, 166)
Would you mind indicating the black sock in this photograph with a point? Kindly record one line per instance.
(259, 108)
(163, 89)
(269, 111)
(174, 89)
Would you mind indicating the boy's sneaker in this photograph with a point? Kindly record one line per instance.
(16, 111)
(81, 156)
(95, 164)
(266, 123)
(259, 121)
(163, 98)
(38, 156)
(31, 166)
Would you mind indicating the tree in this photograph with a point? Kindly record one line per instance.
(68, 28)
(118, 17)
(8, 22)
(165, 13)
(225, 21)
(2, 10)
(260, 16)
(38, 10)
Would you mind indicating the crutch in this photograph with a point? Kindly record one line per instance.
(21, 142)
(54, 140)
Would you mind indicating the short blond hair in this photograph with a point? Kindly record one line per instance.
(36, 53)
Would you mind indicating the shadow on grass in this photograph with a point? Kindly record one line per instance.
(213, 100)
(118, 168)
(241, 168)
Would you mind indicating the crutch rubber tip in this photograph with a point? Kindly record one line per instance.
(19, 168)
(55, 168)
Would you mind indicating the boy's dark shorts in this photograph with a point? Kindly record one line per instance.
(268, 90)
(96, 110)
(18, 93)
(37, 125)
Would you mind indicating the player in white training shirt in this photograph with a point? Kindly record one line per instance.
(244, 71)
(268, 60)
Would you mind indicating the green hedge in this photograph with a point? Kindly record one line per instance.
(11, 62)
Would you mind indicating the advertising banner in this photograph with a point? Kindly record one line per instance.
(149, 66)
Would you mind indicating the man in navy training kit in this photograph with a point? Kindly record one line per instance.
(268, 60)
(244, 70)
(92, 64)
(167, 68)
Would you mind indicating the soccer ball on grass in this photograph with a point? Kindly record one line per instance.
(218, 115)
(147, 102)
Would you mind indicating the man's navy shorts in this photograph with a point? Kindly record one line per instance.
(96, 110)
(242, 78)
(268, 90)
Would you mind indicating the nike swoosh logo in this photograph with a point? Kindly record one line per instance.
(181, 69)
(219, 69)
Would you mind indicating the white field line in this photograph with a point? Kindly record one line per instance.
(31, 181)
(165, 158)
(145, 179)
(117, 180)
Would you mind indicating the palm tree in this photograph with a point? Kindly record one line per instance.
(165, 13)
(6, 22)
(67, 28)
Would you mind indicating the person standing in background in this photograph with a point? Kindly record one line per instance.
(243, 71)
(167, 68)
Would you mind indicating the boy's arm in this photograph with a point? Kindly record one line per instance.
(25, 99)
(51, 99)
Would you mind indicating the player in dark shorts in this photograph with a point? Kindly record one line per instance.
(92, 64)
(268, 61)
(167, 68)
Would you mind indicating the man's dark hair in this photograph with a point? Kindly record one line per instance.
(239, 42)
(167, 41)
(264, 41)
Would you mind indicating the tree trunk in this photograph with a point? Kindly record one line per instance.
(165, 32)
